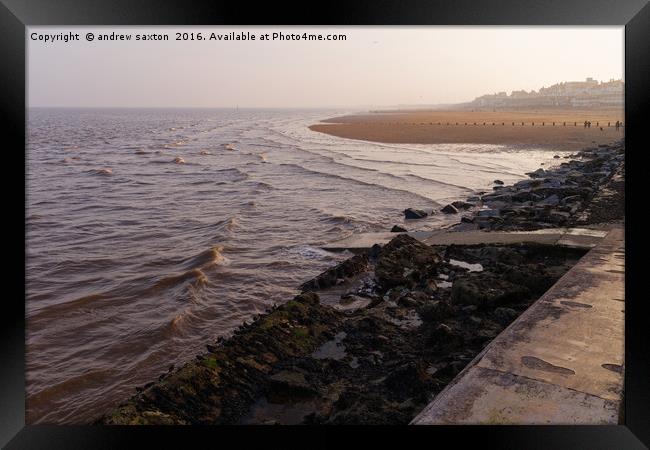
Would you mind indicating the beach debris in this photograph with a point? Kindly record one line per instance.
(178, 160)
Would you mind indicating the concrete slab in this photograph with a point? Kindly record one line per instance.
(492, 397)
(569, 237)
(364, 241)
(561, 361)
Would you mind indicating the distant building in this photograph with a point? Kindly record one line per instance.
(588, 93)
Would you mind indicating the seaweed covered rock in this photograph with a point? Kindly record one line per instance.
(346, 269)
(407, 262)
(219, 387)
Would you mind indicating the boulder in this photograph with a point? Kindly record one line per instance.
(498, 182)
(462, 205)
(537, 173)
(345, 269)
(406, 262)
(449, 209)
(411, 213)
(397, 229)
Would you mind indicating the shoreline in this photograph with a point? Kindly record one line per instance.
(409, 318)
(553, 129)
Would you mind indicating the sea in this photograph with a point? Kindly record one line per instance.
(151, 232)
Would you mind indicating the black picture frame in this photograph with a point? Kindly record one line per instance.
(16, 15)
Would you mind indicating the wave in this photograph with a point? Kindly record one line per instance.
(105, 171)
(232, 174)
(208, 258)
(364, 183)
(193, 276)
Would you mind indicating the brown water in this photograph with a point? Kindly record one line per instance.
(152, 232)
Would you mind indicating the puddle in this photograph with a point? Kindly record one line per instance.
(465, 265)
(333, 349)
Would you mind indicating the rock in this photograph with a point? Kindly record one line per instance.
(348, 268)
(498, 182)
(374, 251)
(397, 229)
(496, 204)
(571, 199)
(406, 262)
(443, 335)
(435, 311)
(486, 290)
(411, 213)
(536, 174)
(496, 197)
(407, 302)
(462, 205)
(505, 315)
(473, 198)
(551, 200)
(489, 213)
(449, 209)
(556, 157)
(430, 287)
(291, 381)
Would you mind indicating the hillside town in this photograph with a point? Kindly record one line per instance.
(572, 94)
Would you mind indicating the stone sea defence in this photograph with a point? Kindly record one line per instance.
(374, 339)
(555, 197)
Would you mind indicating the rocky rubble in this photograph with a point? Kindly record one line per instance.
(553, 197)
(549, 198)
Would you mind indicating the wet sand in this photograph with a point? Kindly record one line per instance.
(554, 129)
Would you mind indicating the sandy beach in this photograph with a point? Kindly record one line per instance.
(559, 129)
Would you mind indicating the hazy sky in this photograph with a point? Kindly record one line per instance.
(374, 66)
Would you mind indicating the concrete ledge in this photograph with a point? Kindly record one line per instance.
(566, 237)
(560, 362)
